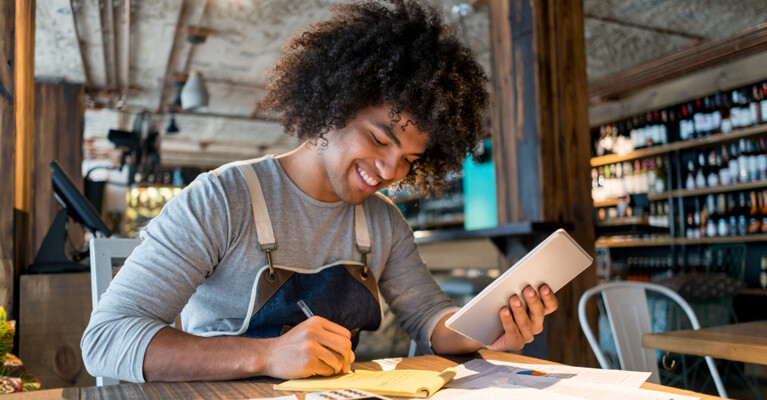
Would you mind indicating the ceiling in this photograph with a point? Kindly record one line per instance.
(129, 67)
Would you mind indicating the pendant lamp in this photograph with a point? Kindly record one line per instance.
(172, 127)
(194, 96)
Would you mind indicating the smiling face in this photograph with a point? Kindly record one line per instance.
(370, 153)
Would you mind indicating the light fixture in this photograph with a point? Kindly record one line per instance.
(463, 10)
(172, 127)
(194, 96)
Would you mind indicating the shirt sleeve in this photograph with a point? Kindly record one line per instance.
(179, 249)
(409, 288)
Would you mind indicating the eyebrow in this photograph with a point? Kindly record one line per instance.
(388, 131)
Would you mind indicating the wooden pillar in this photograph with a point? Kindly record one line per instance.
(7, 37)
(59, 114)
(541, 139)
(24, 104)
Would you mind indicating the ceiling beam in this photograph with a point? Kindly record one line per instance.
(80, 46)
(720, 77)
(678, 63)
(168, 63)
(110, 9)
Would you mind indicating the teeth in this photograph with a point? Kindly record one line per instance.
(370, 181)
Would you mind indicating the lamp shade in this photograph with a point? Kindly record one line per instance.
(172, 127)
(194, 96)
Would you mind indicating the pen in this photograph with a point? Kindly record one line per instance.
(310, 314)
(305, 309)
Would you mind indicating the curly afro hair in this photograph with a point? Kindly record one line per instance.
(401, 55)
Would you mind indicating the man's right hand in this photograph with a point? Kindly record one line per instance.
(313, 347)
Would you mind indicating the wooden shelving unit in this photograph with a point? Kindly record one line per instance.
(709, 190)
(618, 242)
(606, 203)
(681, 145)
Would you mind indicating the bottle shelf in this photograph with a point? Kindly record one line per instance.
(618, 242)
(709, 190)
(681, 145)
(606, 203)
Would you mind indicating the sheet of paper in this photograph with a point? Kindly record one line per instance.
(486, 371)
(400, 382)
(581, 389)
(388, 364)
(291, 397)
(516, 393)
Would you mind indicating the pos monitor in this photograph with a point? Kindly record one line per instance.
(52, 256)
(77, 206)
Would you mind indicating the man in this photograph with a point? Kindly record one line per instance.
(379, 94)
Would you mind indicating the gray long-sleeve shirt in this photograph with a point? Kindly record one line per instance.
(201, 255)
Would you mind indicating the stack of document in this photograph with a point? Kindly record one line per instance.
(485, 379)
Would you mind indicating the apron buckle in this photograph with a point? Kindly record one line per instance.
(364, 251)
(268, 250)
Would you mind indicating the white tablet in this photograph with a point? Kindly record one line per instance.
(555, 262)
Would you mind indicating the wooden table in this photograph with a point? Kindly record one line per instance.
(746, 342)
(262, 387)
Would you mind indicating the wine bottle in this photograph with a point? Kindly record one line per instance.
(753, 105)
(700, 176)
(743, 158)
(761, 159)
(712, 179)
(754, 216)
(691, 228)
(713, 218)
(735, 111)
(763, 103)
(734, 164)
(732, 217)
(716, 113)
(699, 118)
(661, 175)
(764, 211)
(686, 125)
(753, 161)
(704, 221)
(724, 109)
(690, 182)
(722, 228)
(724, 168)
(663, 127)
(742, 214)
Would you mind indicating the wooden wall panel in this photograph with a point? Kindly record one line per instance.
(59, 113)
(55, 309)
(543, 150)
(7, 276)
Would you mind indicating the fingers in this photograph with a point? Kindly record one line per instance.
(535, 310)
(329, 343)
(511, 339)
(521, 323)
(550, 302)
(522, 319)
(332, 327)
(331, 362)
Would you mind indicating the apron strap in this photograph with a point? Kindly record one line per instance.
(266, 241)
(361, 231)
(260, 213)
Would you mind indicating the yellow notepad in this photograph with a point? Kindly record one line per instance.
(398, 382)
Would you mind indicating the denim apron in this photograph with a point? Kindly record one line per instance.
(344, 292)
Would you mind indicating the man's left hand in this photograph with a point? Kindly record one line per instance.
(522, 324)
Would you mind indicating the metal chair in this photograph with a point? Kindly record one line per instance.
(103, 254)
(625, 305)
